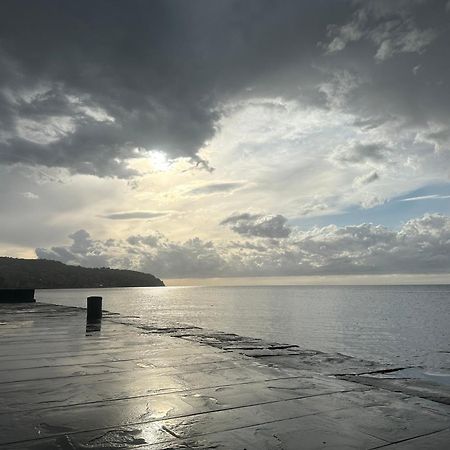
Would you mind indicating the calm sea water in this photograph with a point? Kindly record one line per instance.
(408, 325)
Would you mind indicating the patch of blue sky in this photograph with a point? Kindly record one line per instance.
(393, 213)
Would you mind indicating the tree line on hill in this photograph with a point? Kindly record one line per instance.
(46, 274)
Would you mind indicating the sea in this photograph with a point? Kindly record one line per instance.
(401, 325)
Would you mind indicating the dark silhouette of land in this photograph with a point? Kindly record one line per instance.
(46, 274)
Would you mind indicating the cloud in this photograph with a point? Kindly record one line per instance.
(421, 245)
(83, 251)
(401, 36)
(150, 240)
(128, 215)
(152, 96)
(360, 152)
(97, 92)
(438, 136)
(425, 197)
(312, 208)
(214, 188)
(258, 225)
(404, 40)
(366, 179)
(30, 195)
(152, 253)
(117, 95)
(390, 26)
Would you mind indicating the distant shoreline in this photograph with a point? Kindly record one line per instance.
(47, 274)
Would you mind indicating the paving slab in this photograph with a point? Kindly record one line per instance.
(132, 384)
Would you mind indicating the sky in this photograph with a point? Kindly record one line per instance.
(208, 139)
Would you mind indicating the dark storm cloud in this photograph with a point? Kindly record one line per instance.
(85, 83)
(258, 225)
(398, 52)
(88, 85)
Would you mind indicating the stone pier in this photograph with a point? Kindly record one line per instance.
(128, 385)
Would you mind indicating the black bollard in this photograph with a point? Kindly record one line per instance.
(94, 309)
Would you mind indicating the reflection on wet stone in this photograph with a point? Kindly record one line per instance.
(116, 439)
(141, 385)
(93, 327)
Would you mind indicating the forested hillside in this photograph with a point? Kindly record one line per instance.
(46, 274)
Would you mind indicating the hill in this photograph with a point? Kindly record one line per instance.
(46, 274)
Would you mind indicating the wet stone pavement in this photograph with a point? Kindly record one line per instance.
(134, 385)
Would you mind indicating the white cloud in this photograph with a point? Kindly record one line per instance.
(425, 197)
(390, 26)
(421, 245)
(401, 37)
(88, 109)
(437, 135)
(315, 207)
(30, 195)
(46, 130)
